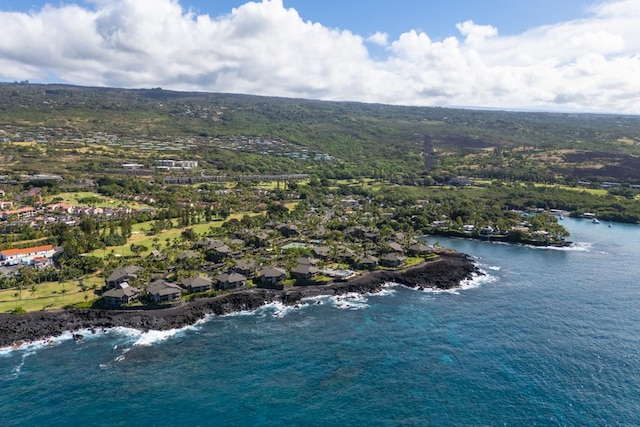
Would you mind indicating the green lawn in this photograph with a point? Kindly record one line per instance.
(140, 236)
(49, 295)
(105, 201)
(594, 191)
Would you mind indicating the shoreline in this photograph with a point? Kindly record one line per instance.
(500, 239)
(446, 272)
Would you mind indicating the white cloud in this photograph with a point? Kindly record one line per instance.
(474, 33)
(263, 48)
(380, 39)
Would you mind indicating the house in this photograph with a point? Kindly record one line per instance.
(321, 252)
(351, 203)
(419, 249)
(208, 243)
(288, 230)
(304, 271)
(246, 267)
(305, 260)
(392, 260)
(60, 207)
(231, 280)
(197, 284)
(257, 240)
(122, 294)
(42, 262)
(394, 247)
(346, 255)
(272, 275)
(357, 231)
(218, 253)
(161, 291)
(187, 256)
(468, 228)
(26, 255)
(366, 263)
(122, 274)
(372, 236)
(156, 255)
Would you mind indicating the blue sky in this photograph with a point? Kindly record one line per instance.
(365, 17)
(554, 55)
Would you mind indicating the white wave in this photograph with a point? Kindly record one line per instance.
(316, 300)
(493, 267)
(136, 337)
(383, 293)
(478, 280)
(278, 309)
(148, 338)
(475, 281)
(350, 301)
(579, 246)
(574, 247)
(387, 289)
(32, 346)
(16, 371)
(240, 313)
(347, 305)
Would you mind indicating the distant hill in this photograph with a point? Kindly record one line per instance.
(354, 139)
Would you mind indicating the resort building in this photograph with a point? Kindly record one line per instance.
(22, 213)
(26, 255)
(122, 294)
(176, 164)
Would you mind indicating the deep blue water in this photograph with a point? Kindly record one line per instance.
(550, 337)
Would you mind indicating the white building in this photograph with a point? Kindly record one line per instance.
(26, 255)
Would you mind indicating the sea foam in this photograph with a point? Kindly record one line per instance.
(33, 346)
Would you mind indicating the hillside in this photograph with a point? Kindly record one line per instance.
(249, 134)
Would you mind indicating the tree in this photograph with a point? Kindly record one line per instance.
(26, 278)
(138, 249)
(189, 234)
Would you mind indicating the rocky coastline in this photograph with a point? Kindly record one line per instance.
(446, 272)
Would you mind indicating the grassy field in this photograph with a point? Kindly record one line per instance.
(49, 295)
(594, 191)
(140, 236)
(105, 202)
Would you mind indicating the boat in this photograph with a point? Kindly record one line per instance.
(595, 221)
(610, 225)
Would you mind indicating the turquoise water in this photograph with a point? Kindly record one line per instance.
(549, 337)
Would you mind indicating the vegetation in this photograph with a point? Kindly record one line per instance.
(350, 177)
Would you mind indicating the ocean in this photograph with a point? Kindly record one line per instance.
(549, 337)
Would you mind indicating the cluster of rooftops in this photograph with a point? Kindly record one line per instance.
(126, 284)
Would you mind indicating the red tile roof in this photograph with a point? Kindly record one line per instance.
(10, 252)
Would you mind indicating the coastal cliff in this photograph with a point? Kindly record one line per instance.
(446, 272)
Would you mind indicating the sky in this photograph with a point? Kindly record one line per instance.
(543, 55)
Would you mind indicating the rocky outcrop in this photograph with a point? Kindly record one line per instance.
(447, 272)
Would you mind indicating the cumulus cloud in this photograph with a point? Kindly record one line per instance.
(476, 33)
(264, 48)
(379, 38)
